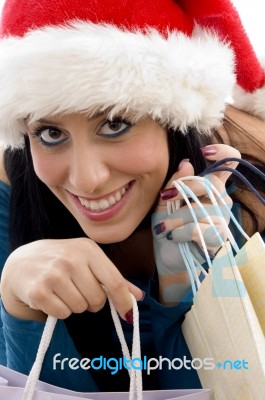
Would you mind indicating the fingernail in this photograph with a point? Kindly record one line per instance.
(185, 160)
(129, 317)
(167, 194)
(208, 151)
(169, 235)
(159, 228)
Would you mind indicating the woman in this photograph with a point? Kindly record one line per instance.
(95, 139)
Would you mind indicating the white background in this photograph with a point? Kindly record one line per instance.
(253, 16)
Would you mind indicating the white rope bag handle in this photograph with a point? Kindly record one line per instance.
(136, 388)
(190, 261)
(191, 264)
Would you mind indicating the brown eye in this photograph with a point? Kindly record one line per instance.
(54, 134)
(114, 128)
(51, 136)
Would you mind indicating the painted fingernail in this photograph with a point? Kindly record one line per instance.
(208, 151)
(159, 228)
(185, 160)
(167, 194)
(129, 317)
(169, 235)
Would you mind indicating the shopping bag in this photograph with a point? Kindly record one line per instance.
(227, 331)
(251, 258)
(16, 386)
(223, 326)
(251, 263)
(12, 385)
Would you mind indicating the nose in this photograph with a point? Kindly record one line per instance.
(88, 169)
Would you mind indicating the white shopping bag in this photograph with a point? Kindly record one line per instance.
(12, 384)
(16, 386)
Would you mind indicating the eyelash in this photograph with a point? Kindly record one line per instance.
(116, 121)
(37, 132)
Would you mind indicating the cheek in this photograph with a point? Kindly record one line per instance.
(50, 170)
(149, 156)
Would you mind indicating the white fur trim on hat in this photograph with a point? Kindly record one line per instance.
(83, 67)
(252, 103)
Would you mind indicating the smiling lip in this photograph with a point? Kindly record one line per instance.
(90, 209)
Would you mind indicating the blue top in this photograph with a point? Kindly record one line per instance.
(4, 216)
(160, 328)
(4, 213)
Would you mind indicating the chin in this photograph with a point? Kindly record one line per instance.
(110, 237)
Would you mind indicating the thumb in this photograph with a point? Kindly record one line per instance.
(185, 168)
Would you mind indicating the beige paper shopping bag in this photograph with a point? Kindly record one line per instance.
(225, 322)
(251, 263)
(223, 325)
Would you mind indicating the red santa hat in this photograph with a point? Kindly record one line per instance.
(176, 61)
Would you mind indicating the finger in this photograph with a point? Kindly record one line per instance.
(175, 223)
(75, 294)
(162, 222)
(135, 290)
(201, 186)
(218, 152)
(116, 286)
(49, 303)
(185, 168)
(213, 236)
(87, 291)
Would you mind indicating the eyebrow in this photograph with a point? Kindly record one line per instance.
(47, 122)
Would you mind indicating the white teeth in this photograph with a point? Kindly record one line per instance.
(103, 204)
(86, 203)
(112, 200)
(93, 205)
(82, 201)
(118, 196)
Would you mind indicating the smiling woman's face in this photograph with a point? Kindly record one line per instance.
(107, 174)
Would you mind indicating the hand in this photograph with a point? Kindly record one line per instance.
(60, 277)
(179, 227)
